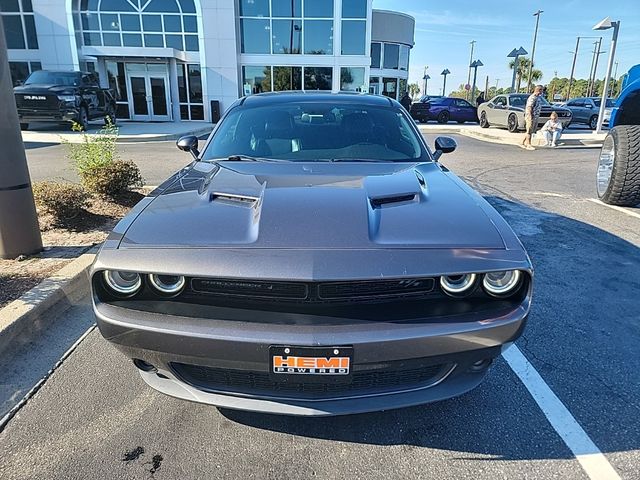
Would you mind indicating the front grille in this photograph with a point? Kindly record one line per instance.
(392, 377)
(37, 101)
(382, 288)
(290, 290)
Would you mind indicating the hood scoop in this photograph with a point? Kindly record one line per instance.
(234, 199)
(390, 200)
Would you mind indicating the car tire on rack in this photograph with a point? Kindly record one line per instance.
(484, 123)
(512, 123)
(618, 175)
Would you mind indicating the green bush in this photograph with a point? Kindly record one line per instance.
(62, 200)
(112, 178)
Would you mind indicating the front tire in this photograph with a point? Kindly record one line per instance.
(443, 117)
(83, 119)
(512, 123)
(484, 123)
(618, 175)
(593, 122)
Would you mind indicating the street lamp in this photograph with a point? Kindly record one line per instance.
(424, 78)
(444, 73)
(606, 24)
(475, 66)
(533, 50)
(515, 53)
(473, 43)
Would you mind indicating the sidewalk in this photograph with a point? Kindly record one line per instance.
(129, 131)
(572, 137)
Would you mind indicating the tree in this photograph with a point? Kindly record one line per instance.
(414, 90)
(522, 72)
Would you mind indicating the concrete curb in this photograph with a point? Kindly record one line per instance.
(32, 312)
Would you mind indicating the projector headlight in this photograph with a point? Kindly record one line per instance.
(123, 283)
(501, 284)
(67, 98)
(167, 284)
(458, 285)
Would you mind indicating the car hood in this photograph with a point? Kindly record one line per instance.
(40, 88)
(314, 206)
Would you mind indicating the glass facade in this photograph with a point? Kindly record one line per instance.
(155, 23)
(259, 79)
(389, 56)
(21, 70)
(19, 26)
(352, 79)
(190, 92)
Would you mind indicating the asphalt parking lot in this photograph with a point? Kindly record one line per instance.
(569, 408)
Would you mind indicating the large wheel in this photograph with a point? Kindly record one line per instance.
(593, 122)
(512, 123)
(618, 176)
(443, 117)
(83, 119)
(484, 123)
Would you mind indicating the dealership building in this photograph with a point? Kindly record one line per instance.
(171, 60)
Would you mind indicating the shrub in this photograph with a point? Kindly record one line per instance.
(111, 178)
(62, 200)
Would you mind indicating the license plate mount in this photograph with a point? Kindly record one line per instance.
(311, 364)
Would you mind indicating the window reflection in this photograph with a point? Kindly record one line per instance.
(318, 78)
(351, 79)
(391, 52)
(354, 9)
(286, 8)
(318, 8)
(255, 35)
(287, 78)
(375, 55)
(256, 79)
(318, 37)
(287, 36)
(354, 37)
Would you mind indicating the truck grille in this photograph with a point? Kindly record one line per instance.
(391, 377)
(37, 101)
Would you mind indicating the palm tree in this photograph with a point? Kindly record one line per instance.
(414, 89)
(522, 73)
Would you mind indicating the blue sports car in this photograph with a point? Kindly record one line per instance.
(444, 109)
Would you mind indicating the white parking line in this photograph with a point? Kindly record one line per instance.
(593, 462)
(615, 207)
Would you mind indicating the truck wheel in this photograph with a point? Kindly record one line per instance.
(83, 119)
(618, 176)
(24, 126)
(110, 117)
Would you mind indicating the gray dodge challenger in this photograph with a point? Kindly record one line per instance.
(315, 258)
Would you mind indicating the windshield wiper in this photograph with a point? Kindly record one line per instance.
(245, 158)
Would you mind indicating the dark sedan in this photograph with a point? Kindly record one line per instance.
(314, 259)
(444, 110)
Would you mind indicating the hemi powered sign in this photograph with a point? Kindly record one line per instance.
(310, 361)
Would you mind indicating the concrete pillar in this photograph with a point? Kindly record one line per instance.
(173, 88)
(101, 68)
(19, 230)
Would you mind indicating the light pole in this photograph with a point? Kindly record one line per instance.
(615, 80)
(592, 79)
(515, 53)
(475, 66)
(605, 25)
(473, 43)
(426, 79)
(533, 50)
(19, 230)
(573, 68)
(444, 73)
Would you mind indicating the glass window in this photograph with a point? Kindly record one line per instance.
(92, 39)
(172, 23)
(255, 35)
(117, 80)
(286, 8)
(187, 6)
(114, 6)
(195, 84)
(190, 24)
(354, 8)
(318, 78)
(35, 66)
(184, 112)
(318, 37)
(110, 22)
(90, 21)
(130, 23)
(375, 55)
(254, 8)
(152, 23)
(352, 79)
(287, 78)
(286, 36)
(256, 79)
(160, 6)
(390, 87)
(391, 52)
(318, 132)
(153, 41)
(19, 72)
(191, 43)
(111, 39)
(26, 6)
(197, 112)
(182, 84)
(13, 31)
(318, 8)
(404, 57)
(30, 26)
(402, 87)
(9, 6)
(132, 39)
(354, 37)
(174, 41)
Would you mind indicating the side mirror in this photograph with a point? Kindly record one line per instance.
(189, 143)
(444, 145)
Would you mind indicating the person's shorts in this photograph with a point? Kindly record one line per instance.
(531, 125)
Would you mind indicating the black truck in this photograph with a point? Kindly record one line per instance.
(63, 97)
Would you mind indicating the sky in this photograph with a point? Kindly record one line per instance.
(444, 29)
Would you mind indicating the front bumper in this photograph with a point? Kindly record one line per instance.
(58, 116)
(243, 347)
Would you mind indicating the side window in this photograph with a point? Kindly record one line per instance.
(501, 101)
(576, 103)
(462, 103)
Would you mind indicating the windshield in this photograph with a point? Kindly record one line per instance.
(521, 100)
(43, 77)
(307, 132)
(609, 104)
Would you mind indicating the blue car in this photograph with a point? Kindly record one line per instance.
(444, 110)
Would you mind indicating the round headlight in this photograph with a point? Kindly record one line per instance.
(458, 284)
(502, 283)
(123, 283)
(167, 284)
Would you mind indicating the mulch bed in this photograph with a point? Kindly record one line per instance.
(63, 242)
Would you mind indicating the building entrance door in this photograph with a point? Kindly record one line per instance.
(149, 93)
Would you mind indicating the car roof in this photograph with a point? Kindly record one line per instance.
(280, 98)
